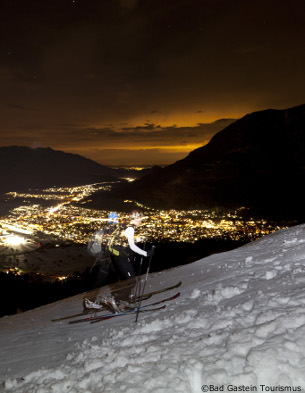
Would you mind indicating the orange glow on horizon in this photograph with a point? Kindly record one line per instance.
(153, 139)
(161, 148)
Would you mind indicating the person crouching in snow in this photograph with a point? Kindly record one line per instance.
(122, 249)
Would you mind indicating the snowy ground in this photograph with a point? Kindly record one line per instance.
(238, 325)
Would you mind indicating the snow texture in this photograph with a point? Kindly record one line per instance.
(239, 324)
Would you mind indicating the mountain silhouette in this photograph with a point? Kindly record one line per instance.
(23, 168)
(258, 161)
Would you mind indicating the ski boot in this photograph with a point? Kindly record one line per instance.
(92, 306)
(111, 304)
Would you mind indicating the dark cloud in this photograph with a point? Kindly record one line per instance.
(151, 135)
(15, 106)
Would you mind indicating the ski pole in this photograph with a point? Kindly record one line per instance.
(138, 285)
(146, 278)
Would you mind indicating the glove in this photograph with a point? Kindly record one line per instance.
(151, 252)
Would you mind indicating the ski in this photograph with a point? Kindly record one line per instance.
(105, 317)
(128, 311)
(108, 316)
(138, 299)
(150, 294)
(80, 314)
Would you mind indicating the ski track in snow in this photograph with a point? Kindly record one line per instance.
(240, 320)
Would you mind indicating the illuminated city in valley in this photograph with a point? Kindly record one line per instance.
(67, 220)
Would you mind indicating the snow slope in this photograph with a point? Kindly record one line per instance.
(238, 325)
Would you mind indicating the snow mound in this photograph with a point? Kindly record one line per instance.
(239, 325)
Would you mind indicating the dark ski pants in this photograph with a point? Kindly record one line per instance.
(125, 271)
(99, 272)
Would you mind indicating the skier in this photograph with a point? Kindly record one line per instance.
(122, 248)
(100, 269)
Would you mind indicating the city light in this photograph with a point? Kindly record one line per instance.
(62, 278)
(14, 240)
(68, 221)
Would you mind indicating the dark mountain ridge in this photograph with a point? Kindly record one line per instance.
(23, 167)
(257, 161)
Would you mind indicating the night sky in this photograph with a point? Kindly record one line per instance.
(143, 81)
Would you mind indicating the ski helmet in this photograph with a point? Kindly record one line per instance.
(113, 218)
